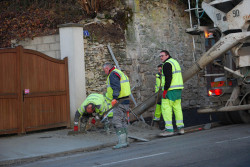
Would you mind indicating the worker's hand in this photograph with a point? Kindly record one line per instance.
(164, 94)
(75, 126)
(113, 102)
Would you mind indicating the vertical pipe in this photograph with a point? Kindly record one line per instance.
(190, 17)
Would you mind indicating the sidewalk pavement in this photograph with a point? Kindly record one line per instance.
(35, 146)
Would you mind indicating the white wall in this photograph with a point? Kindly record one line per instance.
(72, 46)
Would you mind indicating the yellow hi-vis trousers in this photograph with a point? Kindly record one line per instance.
(157, 116)
(167, 106)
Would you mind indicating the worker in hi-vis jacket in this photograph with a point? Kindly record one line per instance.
(91, 111)
(118, 89)
(158, 85)
(171, 98)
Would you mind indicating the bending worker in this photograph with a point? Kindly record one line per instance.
(158, 85)
(171, 98)
(118, 88)
(90, 111)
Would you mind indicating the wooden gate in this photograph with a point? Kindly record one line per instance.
(34, 91)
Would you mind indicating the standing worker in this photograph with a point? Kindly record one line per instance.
(118, 88)
(90, 110)
(171, 97)
(158, 85)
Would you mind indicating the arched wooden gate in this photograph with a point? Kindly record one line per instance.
(34, 91)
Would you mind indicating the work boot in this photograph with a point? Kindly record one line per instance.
(126, 131)
(121, 138)
(166, 133)
(181, 131)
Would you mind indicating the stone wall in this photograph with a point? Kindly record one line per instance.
(96, 54)
(49, 45)
(156, 25)
(159, 25)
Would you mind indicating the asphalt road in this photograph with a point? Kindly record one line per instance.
(227, 146)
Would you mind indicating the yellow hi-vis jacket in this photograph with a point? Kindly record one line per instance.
(158, 84)
(98, 100)
(177, 81)
(125, 86)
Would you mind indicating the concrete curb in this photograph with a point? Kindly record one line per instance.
(88, 149)
(35, 158)
(200, 127)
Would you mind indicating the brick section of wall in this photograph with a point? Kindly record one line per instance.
(49, 45)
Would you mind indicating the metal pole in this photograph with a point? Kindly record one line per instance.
(194, 48)
(197, 11)
(190, 16)
(213, 75)
(191, 25)
(224, 109)
(229, 70)
(112, 54)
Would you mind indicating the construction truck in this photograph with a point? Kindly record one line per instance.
(230, 90)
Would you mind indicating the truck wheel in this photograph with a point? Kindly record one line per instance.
(241, 116)
(224, 118)
(245, 115)
(235, 117)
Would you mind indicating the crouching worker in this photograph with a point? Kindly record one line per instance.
(90, 112)
(118, 89)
